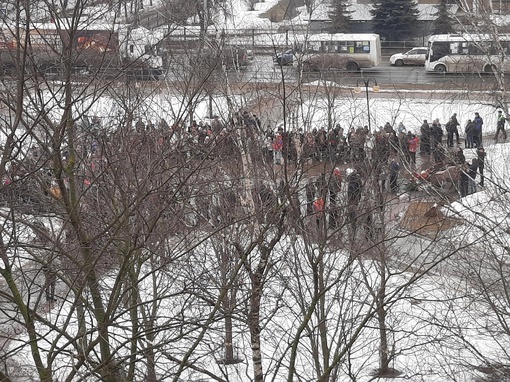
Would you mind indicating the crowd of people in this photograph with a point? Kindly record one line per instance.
(340, 147)
(388, 147)
(355, 160)
(386, 150)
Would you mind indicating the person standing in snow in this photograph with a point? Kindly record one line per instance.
(501, 125)
(413, 142)
(335, 186)
(401, 128)
(454, 125)
(480, 153)
(278, 148)
(478, 130)
(394, 169)
(470, 134)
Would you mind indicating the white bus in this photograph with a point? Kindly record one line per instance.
(340, 51)
(465, 53)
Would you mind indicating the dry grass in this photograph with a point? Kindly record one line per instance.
(426, 218)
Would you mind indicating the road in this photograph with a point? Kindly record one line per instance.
(262, 69)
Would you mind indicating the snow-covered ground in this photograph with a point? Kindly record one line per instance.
(441, 325)
(426, 351)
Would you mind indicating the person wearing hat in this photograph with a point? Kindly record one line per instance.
(501, 125)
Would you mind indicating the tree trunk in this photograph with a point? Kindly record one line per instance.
(322, 327)
(384, 359)
(254, 324)
(229, 350)
(229, 346)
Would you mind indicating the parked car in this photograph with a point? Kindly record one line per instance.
(415, 56)
(284, 58)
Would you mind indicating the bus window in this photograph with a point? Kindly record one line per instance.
(440, 49)
(313, 47)
(480, 48)
(342, 47)
(350, 47)
(455, 48)
(330, 47)
(503, 47)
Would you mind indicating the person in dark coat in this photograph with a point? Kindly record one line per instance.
(394, 169)
(478, 130)
(480, 153)
(460, 158)
(403, 140)
(449, 133)
(454, 125)
(354, 186)
(473, 169)
(464, 180)
(425, 138)
(470, 134)
(335, 186)
(436, 134)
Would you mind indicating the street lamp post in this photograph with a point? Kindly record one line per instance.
(367, 82)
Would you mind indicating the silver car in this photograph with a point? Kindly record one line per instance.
(284, 58)
(415, 56)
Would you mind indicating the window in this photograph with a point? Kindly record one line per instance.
(330, 47)
(345, 47)
(314, 47)
(502, 46)
(478, 49)
(458, 48)
(361, 47)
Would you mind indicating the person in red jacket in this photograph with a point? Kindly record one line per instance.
(413, 143)
(278, 148)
